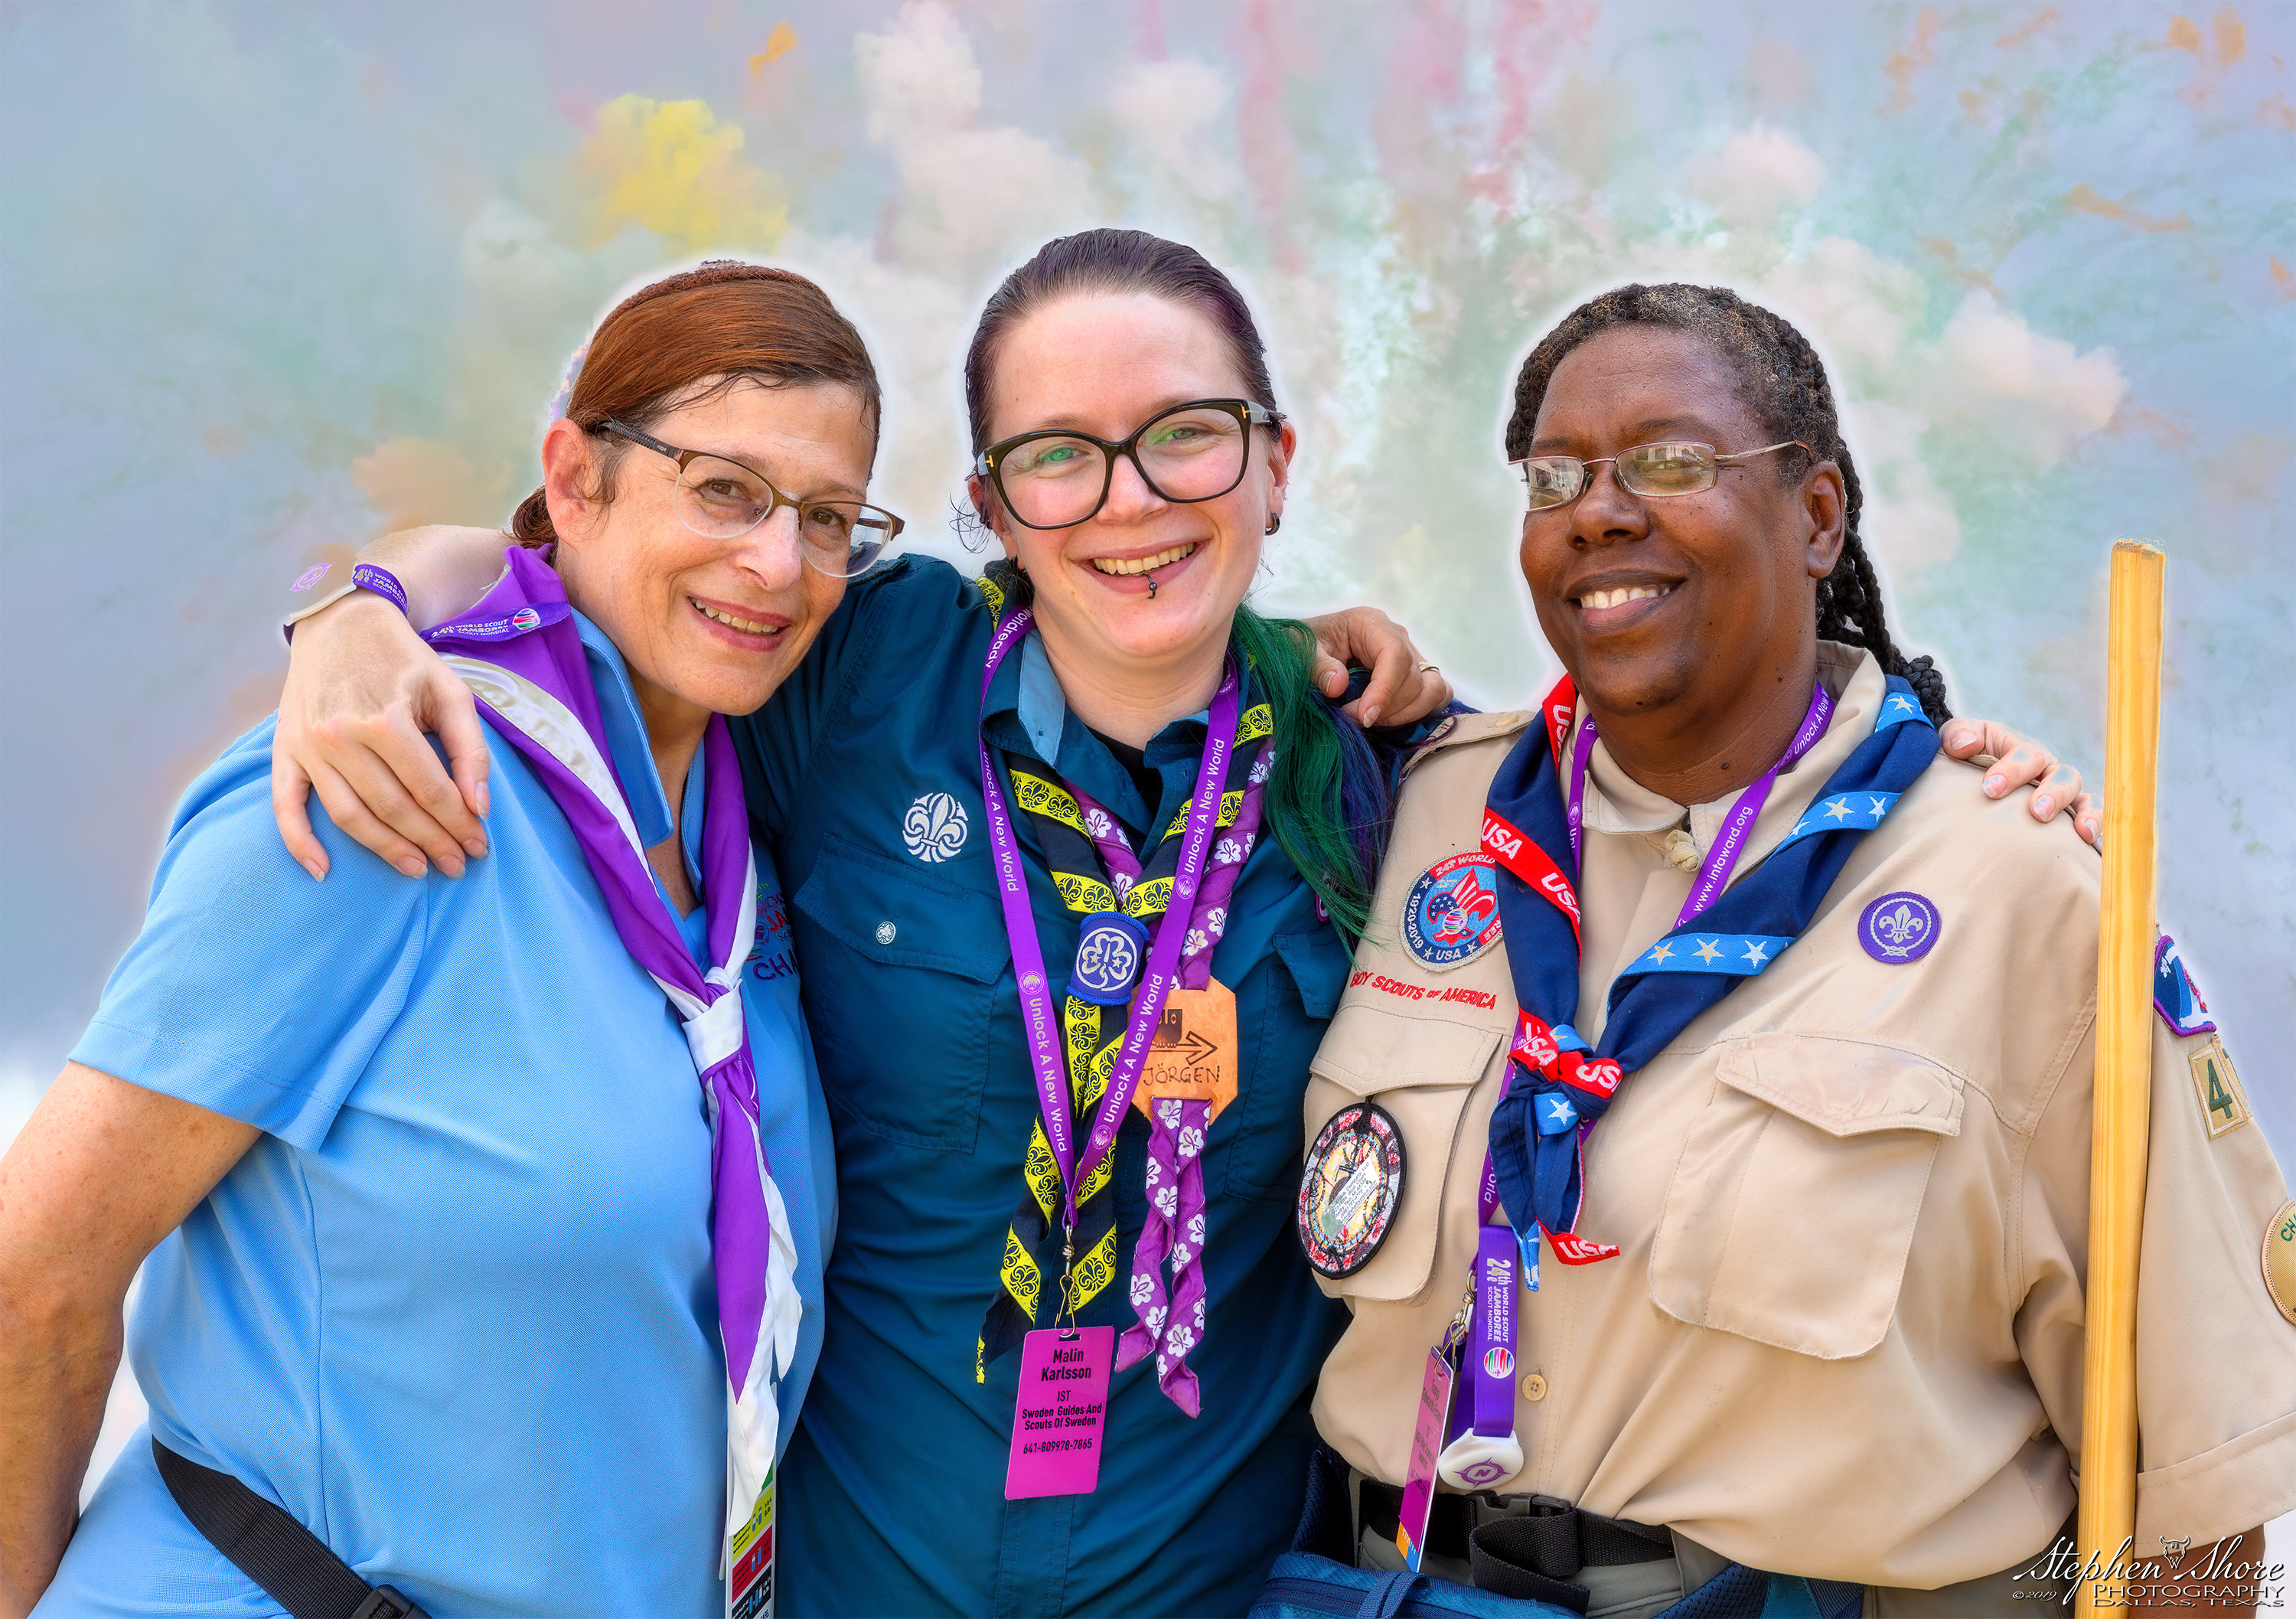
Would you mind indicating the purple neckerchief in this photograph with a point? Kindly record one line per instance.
(1714, 875)
(1157, 978)
(521, 655)
(1174, 1231)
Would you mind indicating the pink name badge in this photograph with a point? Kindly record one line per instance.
(1426, 1447)
(1061, 1413)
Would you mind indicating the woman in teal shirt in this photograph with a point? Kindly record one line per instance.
(1098, 386)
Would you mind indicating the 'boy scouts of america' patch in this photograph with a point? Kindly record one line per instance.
(2174, 997)
(1453, 913)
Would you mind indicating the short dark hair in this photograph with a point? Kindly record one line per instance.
(1784, 384)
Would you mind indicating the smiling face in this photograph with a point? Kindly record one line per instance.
(1104, 365)
(706, 626)
(1692, 611)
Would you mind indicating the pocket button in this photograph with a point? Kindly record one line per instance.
(1534, 1387)
(885, 932)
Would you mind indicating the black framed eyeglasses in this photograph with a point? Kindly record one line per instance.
(722, 499)
(1056, 478)
(1653, 471)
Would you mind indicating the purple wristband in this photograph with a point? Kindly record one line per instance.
(317, 593)
(366, 575)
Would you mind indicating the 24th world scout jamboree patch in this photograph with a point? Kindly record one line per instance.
(1451, 914)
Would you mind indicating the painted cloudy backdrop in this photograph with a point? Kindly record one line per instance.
(273, 278)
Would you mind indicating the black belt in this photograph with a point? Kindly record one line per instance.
(1531, 1555)
(293, 1566)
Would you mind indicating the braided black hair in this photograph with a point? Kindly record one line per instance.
(1784, 384)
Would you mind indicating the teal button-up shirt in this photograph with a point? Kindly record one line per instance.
(864, 775)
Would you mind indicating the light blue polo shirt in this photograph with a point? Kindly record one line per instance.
(455, 1309)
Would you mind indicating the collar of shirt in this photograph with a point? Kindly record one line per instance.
(1619, 805)
(1028, 709)
(625, 739)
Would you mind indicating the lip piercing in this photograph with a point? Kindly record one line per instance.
(1151, 578)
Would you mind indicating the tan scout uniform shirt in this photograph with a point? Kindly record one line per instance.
(1843, 1339)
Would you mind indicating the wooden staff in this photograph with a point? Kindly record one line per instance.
(2120, 1127)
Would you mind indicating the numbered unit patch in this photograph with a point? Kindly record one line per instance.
(2222, 1103)
(1348, 1195)
(1453, 914)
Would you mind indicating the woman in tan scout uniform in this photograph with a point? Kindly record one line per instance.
(1820, 1311)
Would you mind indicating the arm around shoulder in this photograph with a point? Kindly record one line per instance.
(363, 688)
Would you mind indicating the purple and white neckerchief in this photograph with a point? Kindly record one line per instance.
(1491, 1356)
(1174, 1232)
(521, 654)
(1039, 1022)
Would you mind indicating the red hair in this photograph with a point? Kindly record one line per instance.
(724, 320)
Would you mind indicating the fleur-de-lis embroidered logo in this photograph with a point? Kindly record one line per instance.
(1900, 925)
(1897, 928)
(1096, 822)
(935, 828)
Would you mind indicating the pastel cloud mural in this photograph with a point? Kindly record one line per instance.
(277, 278)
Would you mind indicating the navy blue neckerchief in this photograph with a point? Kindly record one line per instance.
(1559, 1089)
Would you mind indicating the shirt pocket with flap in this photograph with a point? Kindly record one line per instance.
(1792, 1209)
(899, 970)
(1422, 1067)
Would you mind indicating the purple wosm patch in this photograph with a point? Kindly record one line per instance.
(1897, 928)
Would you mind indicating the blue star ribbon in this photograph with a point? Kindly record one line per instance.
(1535, 1145)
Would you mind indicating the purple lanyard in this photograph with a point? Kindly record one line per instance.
(1039, 1018)
(1493, 1335)
(1714, 876)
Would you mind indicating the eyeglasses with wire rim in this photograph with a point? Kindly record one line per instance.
(1184, 454)
(1658, 471)
(720, 498)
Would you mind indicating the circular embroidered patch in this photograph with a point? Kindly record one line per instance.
(1348, 1193)
(934, 828)
(2280, 1260)
(1107, 958)
(1453, 914)
(1897, 928)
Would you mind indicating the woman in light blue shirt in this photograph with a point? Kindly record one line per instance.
(426, 1178)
